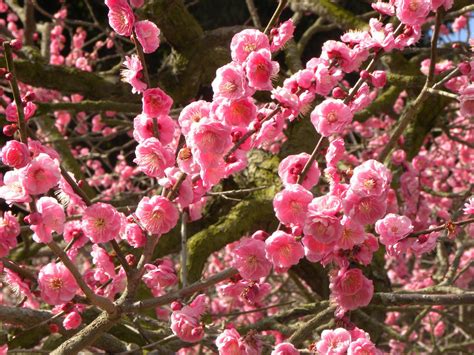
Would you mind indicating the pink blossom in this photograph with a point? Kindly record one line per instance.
(314, 250)
(291, 204)
(362, 346)
(121, 17)
(247, 41)
(230, 82)
(72, 321)
(364, 252)
(291, 167)
(384, 8)
(156, 102)
(12, 190)
(248, 257)
(193, 113)
(229, 343)
(56, 283)
(281, 35)
(210, 139)
(379, 78)
(350, 289)
(364, 210)
(134, 235)
(133, 73)
(101, 222)
(153, 158)
(15, 154)
(260, 69)
(344, 57)
(9, 231)
(425, 243)
(466, 99)
(160, 275)
(331, 116)
(412, 12)
(459, 23)
(105, 268)
(321, 221)
(352, 233)
(285, 349)
(334, 342)
(469, 206)
(371, 178)
(148, 34)
(157, 214)
(143, 128)
(186, 324)
(52, 218)
(335, 152)
(283, 250)
(393, 228)
(237, 112)
(11, 112)
(40, 175)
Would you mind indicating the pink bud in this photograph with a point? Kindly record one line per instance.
(364, 74)
(16, 44)
(338, 93)
(33, 218)
(464, 68)
(176, 306)
(9, 130)
(379, 78)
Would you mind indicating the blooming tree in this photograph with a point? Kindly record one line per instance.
(170, 186)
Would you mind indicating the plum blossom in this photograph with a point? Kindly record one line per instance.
(133, 73)
(156, 102)
(9, 231)
(101, 222)
(186, 322)
(153, 158)
(40, 175)
(230, 82)
(291, 167)
(412, 12)
(285, 349)
(157, 214)
(331, 116)
(283, 250)
(72, 321)
(12, 189)
(466, 99)
(371, 178)
(246, 42)
(248, 257)
(56, 283)
(121, 17)
(350, 289)
(291, 204)
(393, 228)
(148, 34)
(281, 34)
(15, 154)
(260, 69)
(51, 217)
(469, 206)
(334, 342)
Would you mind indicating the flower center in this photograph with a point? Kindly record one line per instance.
(229, 87)
(332, 117)
(56, 283)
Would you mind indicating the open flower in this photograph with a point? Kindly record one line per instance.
(101, 222)
(56, 283)
(157, 214)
